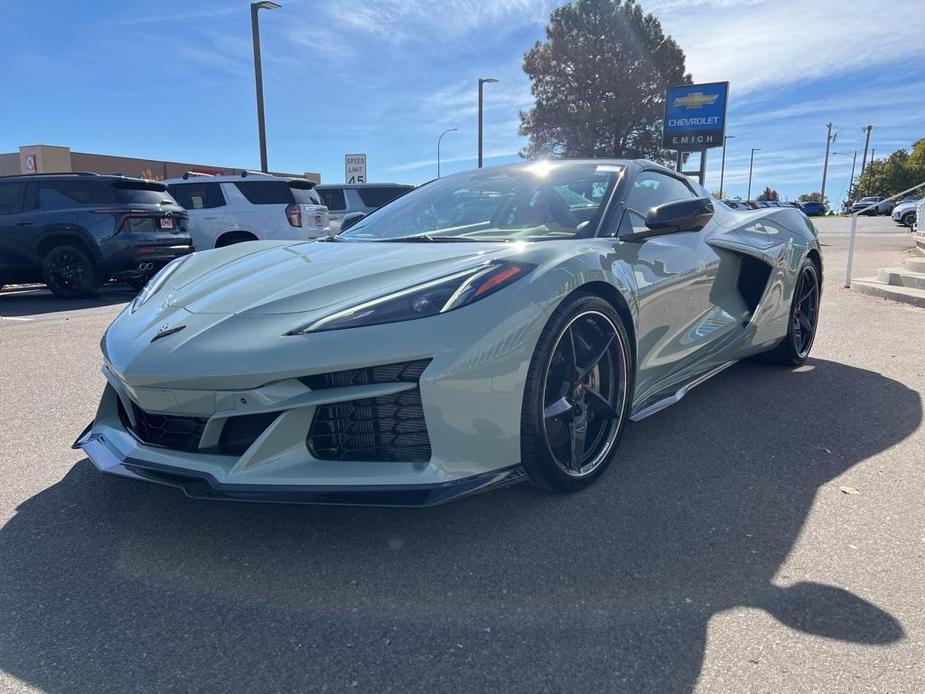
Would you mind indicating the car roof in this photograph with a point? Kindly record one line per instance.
(73, 175)
(332, 186)
(192, 177)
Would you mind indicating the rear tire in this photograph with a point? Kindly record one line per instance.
(804, 317)
(234, 237)
(70, 273)
(577, 395)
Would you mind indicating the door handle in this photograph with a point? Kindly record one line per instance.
(24, 224)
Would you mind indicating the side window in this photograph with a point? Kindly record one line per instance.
(265, 192)
(65, 194)
(11, 197)
(651, 189)
(197, 196)
(377, 197)
(334, 199)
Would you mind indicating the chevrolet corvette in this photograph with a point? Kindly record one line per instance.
(492, 326)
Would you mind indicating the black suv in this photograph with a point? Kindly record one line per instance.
(74, 231)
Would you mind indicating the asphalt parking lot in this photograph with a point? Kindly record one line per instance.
(722, 553)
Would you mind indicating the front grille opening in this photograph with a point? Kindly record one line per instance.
(170, 431)
(239, 433)
(388, 428)
(402, 372)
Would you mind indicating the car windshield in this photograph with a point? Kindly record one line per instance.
(540, 201)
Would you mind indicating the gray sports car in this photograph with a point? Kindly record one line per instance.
(490, 326)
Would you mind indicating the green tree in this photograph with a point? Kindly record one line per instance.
(812, 197)
(599, 82)
(769, 194)
(898, 172)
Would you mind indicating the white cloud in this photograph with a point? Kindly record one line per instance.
(755, 45)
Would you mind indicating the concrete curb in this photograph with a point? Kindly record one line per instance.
(905, 295)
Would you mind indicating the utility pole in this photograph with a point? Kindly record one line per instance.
(258, 76)
(866, 129)
(482, 82)
(829, 139)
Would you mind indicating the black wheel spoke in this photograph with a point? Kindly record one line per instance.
(557, 408)
(574, 354)
(599, 404)
(578, 431)
(596, 358)
(805, 324)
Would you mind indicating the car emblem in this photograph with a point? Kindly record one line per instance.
(696, 100)
(167, 330)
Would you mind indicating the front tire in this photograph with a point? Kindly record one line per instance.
(577, 395)
(70, 273)
(908, 219)
(804, 317)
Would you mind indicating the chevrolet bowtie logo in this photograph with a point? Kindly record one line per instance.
(696, 100)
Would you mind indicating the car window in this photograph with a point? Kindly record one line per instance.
(651, 189)
(62, 194)
(377, 197)
(198, 196)
(265, 192)
(10, 197)
(333, 198)
(304, 193)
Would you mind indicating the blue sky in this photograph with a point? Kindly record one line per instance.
(174, 80)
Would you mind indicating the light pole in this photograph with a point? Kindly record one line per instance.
(451, 130)
(482, 81)
(722, 168)
(258, 76)
(854, 160)
(751, 166)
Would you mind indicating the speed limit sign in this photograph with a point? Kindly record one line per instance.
(355, 168)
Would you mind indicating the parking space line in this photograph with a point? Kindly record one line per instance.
(15, 318)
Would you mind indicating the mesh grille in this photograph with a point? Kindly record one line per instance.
(386, 428)
(170, 431)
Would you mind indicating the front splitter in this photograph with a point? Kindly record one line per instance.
(199, 485)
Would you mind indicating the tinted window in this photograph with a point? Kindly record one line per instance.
(265, 192)
(377, 197)
(62, 194)
(304, 193)
(333, 198)
(141, 192)
(10, 196)
(198, 196)
(651, 189)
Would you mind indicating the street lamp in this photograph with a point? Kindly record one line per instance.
(751, 165)
(854, 160)
(258, 76)
(722, 168)
(482, 81)
(451, 130)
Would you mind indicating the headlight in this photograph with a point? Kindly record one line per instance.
(423, 300)
(157, 282)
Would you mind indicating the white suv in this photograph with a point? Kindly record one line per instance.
(229, 209)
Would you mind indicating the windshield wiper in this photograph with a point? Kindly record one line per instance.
(427, 238)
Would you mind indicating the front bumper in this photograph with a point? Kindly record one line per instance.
(201, 485)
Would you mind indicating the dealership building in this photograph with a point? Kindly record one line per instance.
(31, 159)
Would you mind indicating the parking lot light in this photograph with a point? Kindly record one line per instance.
(258, 76)
(751, 166)
(439, 139)
(482, 82)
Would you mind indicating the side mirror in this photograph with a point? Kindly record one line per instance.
(351, 219)
(682, 215)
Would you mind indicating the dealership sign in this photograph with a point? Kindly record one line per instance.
(355, 168)
(695, 116)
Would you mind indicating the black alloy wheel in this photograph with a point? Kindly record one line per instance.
(577, 396)
(794, 349)
(69, 273)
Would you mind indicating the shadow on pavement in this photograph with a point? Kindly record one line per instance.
(112, 585)
(38, 301)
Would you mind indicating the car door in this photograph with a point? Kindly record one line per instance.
(19, 260)
(205, 205)
(675, 274)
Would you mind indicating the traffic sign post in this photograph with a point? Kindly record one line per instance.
(355, 168)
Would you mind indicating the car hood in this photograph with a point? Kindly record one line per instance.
(295, 278)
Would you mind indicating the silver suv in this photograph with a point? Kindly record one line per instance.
(229, 209)
(343, 199)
